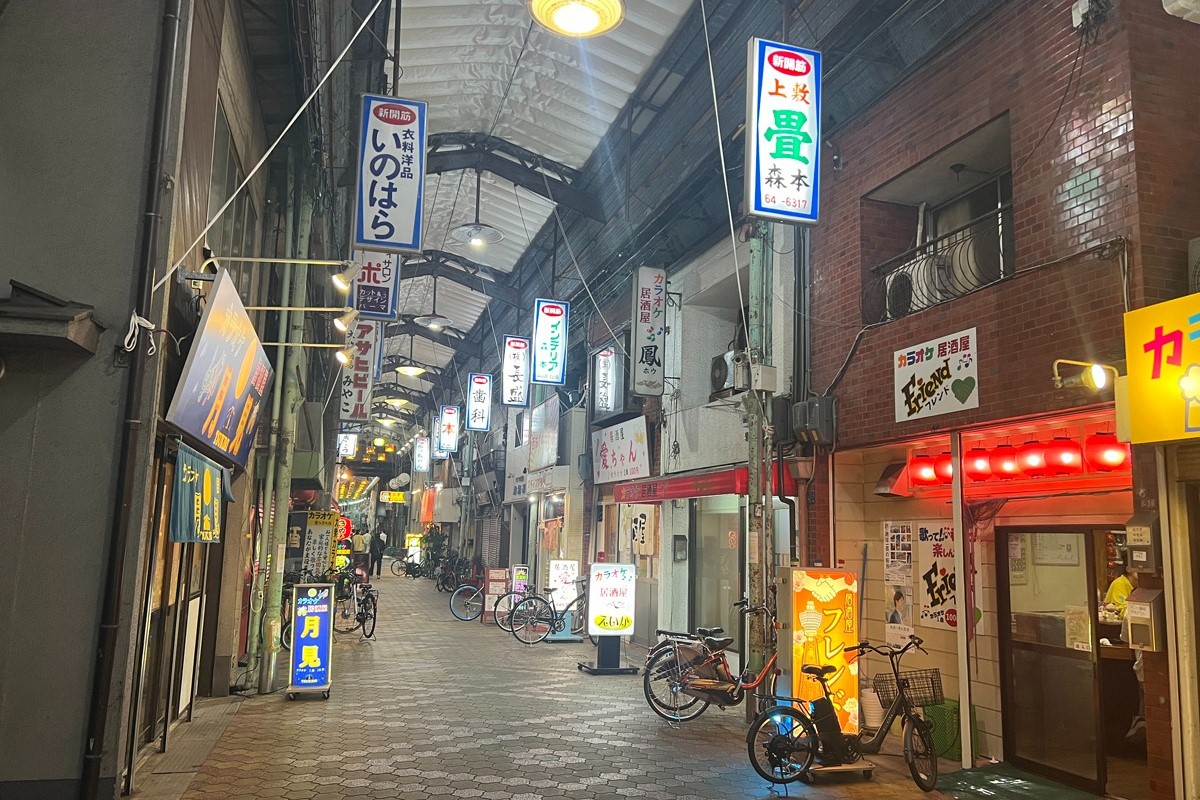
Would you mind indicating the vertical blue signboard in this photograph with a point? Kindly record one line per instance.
(312, 638)
(391, 175)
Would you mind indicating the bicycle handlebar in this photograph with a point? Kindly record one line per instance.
(891, 650)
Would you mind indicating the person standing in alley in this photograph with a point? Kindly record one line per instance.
(360, 548)
(378, 542)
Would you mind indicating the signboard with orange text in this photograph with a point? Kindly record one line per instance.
(1162, 355)
(824, 623)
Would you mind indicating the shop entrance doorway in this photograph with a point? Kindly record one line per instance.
(1068, 685)
(717, 567)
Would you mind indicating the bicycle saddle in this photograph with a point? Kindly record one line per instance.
(709, 631)
(549, 590)
(714, 644)
(819, 672)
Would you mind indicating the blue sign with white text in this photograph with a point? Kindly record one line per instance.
(391, 175)
(312, 637)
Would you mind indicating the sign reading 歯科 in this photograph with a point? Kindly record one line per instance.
(940, 376)
(479, 402)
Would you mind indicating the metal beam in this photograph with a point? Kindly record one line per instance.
(436, 263)
(413, 329)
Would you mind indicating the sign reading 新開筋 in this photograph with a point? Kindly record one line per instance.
(649, 332)
(374, 290)
(392, 497)
(610, 599)
(479, 402)
(197, 499)
(825, 623)
(543, 434)
(550, 320)
(421, 454)
(514, 372)
(312, 637)
(358, 377)
(319, 541)
(220, 393)
(1162, 355)
(936, 581)
(449, 422)
(783, 139)
(940, 376)
(619, 453)
(391, 175)
(608, 382)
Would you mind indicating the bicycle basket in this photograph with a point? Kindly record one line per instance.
(923, 687)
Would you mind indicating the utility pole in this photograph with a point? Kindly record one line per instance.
(292, 401)
(760, 541)
(466, 487)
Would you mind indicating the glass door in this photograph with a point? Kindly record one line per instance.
(1049, 671)
(716, 566)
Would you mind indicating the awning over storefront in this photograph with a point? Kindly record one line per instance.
(731, 480)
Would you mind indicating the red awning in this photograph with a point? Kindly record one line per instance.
(731, 480)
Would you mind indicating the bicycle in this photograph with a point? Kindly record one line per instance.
(687, 672)
(503, 607)
(466, 603)
(290, 579)
(359, 608)
(536, 617)
(783, 741)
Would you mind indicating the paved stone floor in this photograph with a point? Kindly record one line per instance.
(437, 708)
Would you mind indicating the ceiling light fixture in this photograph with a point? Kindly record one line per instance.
(477, 234)
(578, 18)
(433, 320)
(412, 369)
(342, 280)
(343, 322)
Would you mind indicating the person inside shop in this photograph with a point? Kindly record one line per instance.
(1116, 599)
(1117, 596)
(378, 542)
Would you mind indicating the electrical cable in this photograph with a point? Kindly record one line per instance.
(1062, 102)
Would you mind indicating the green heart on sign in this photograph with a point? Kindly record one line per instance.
(962, 388)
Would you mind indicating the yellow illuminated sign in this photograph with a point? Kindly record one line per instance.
(392, 497)
(1162, 354)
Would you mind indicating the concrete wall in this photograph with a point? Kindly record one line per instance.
(75, 119)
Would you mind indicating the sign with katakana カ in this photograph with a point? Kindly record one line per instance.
(358, 377)
(649, 332)
(783, 138)
(606, 382)
(1162, 355)
(421, 454)
(375, 289)
(514, 372)
(312, 637)
(936, 377)
(449, 423)
(550, 320)
(391, 175)
(610, 599)
(619, 453)
(479, 402)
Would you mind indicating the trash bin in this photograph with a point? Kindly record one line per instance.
(944, 717)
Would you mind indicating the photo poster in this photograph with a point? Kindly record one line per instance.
(640, 526)
(898, 583)
(936, 579)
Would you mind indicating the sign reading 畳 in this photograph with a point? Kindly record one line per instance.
(783, 138)
(391, 175)
(312, 637)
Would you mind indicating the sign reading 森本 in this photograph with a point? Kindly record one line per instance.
(619, 453)
(449, 422)
(550, 320)
(358, 377)
(312, 637)
(936, 377)
(374, 290)
(514, 372)
(649, 331)
(479, 402)
(391, 175)
(783, 139)
(610, 599)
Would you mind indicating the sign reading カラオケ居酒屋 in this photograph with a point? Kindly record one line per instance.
(374, 290)
(940, 376)
(783, 138)
(610, 599)
(1162, 356)
(358, 377)
(514, 372)
(391, 175)
(449, 422)
(649, 332)
(479, 402)
(550, 321)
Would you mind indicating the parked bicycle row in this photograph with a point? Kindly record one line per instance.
(530, 616)
(356, 602)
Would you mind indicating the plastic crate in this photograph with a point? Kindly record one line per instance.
(922, 686)
(946, 739)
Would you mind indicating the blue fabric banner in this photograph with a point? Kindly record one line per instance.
(201, 487)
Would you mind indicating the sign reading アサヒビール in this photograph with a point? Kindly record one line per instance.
(1162, 354)
(936, 377)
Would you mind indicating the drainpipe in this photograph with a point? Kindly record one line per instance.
(290, 411)
(127, 479)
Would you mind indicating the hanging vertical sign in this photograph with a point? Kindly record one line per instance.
(198, 498)
(391, 175)
(358, 376)
(783, 139)
(649, 330)
(550, 319)
(421, 454)
(937, 583)
(374, 290)
(479, 402)
(449, 422)
(440, 455)
(514, 372)
(312, 638)
(607, 383)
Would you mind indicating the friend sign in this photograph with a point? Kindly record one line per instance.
(312, 638)
(610, 599)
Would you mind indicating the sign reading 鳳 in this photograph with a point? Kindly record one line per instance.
(197, 499)
(825, 623)
(783, 139)
(225, 378)
(421, 454)
(619, 453)
(449, 422)
(479, 402)
(940, 376)
(610, 599)
(605, 374)
(391, 175)
(550, 319)
(649, 332)
(392, 497)
(1162, 354)
(312, 637)
(374, 290)
(358, 377)
(514, 372)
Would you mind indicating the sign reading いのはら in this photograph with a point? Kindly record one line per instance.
(1162, 354)
(783, 124)
(936, 377)
(198, 497)
(514, 372)
(610, 599)
(649, 332)
(220, 393)
(312, 637)
(374, 291)
(449, 421)
(825, 622)
(358, 377)
(550, 322)
(391, 175)
(479, 402)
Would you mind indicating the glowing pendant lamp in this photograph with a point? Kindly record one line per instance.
(578, 18)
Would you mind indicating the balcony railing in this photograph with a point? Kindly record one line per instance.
(957, 263)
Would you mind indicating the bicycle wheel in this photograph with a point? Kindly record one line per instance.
(532, 619)
(369, 614)
(467, 602)
(769, 690)
(446, 582)
(919, 753)
(503, 607)
(662, 683)
(396, 568)
(782, 744)
(345, 615)
(285, 635)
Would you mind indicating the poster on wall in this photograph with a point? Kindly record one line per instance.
(898, 583)
(936, 581)
(563, 575)
(610, 599)
(936, 377)
(640, 529)
(319, 541)
(825, 622)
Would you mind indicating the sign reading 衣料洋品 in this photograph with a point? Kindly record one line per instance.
(649, 331)
(940, 376)
(391, 175)
(783, 139)
(550, 320)
(374, 290)
(479, 402)
(514, 372)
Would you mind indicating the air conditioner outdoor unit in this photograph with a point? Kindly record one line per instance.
(730, 374)
(918, 284)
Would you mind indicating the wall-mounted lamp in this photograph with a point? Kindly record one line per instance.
(1096, 377)
(343, 322)
(343, 279)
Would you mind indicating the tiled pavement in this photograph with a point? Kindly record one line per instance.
(437, 708)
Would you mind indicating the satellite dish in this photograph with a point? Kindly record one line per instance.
(403, 478)
(394, 483)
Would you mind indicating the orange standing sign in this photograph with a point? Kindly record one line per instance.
(825, 623)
